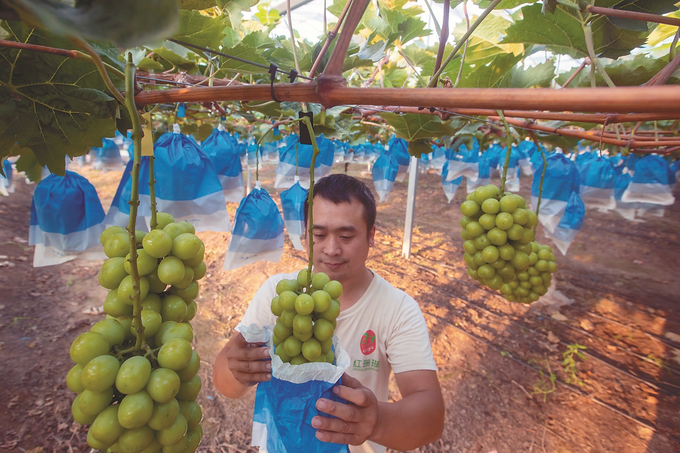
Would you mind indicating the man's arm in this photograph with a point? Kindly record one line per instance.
(416, 420)
(240, 365)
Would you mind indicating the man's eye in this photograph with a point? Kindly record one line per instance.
(346, 237)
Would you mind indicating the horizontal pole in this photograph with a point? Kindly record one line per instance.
(556, 116)
(653, 99)
(623, 14)
(592, 136)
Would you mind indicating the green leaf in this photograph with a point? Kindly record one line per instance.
(413, 126)
(561, 32)
(337, 7)
(231, 37)
(235, 9)
(484, 44)
(128, 23)
(268, 108)
(663, 31)
(196, 4)
(259, 40)
(28, 163)
(641, 6)
(53, 105)
(174, 58)
(628, 72)
(540, 75)
(419, 147)
(149, 64)
(246, 52)
(267, 16)
(491, 75)
(200, 30)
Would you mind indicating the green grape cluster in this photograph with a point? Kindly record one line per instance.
(307, 316)
(500, 250)
(143, 401)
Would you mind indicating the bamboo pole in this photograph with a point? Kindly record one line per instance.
(656, 99)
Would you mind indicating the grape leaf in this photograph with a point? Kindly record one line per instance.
(200, 30)
(484, 44)
(53, 105)
(636, 71)
(167, 53)
(414, 126)
(242, 51)
(235, 9)
(642, 6)
(663, 31)
(126, 22)
(28, 163)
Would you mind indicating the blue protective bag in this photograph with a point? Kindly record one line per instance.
(258, 231)
(466, 164)
(285, 405)
(526, 149)
(67, 219)
(293, 205)
(561, 180)
(597, 183)
(187, 187)
(450, 187)
(222, 149)
(569, 224)
(398, 147)
(626, 210)
(652, 182)
(295, 158)
(385, 171)
(108, 157)
(7, 181)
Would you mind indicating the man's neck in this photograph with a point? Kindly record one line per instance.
(355, 287)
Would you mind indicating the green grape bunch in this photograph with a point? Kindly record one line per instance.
(143, 400)
(306, 318)
(500, 247)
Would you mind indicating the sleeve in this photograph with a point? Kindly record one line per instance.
(408, 344)
(259, 309)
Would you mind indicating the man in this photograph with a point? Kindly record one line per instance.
(381, 328)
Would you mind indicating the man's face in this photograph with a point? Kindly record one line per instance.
(341, 238)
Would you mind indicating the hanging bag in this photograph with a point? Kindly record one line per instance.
(293, 205)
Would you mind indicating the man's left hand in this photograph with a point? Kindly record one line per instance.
(355, 422)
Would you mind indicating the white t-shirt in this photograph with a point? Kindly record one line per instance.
(383, 331)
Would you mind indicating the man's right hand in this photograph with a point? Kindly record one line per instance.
(249, 363)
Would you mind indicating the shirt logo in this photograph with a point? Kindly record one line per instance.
(367, 344)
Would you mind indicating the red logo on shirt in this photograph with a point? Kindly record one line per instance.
(367, 344)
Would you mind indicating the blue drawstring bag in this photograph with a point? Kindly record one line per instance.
(526, 149)
(493, 155)
(512, 184)
(561, 180)
(187, 187)
(483, 177)
(293, 205)
(67, 219)
(270, 152)
(569, 224)
(7, 181)
(398, 148)
(258, 231)
(254, 155)
(465, 164)
(222, 149)
(513, 166)
(597, 184)
(438, 159)
(108, 157)
(286, 404)
(450, 187)
(652, 182)
(626, 210)
(385, 172)
(296, 158)
(584, 158)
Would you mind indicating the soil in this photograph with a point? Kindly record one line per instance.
(500, 364)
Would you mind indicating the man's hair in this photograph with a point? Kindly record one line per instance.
(340, 188)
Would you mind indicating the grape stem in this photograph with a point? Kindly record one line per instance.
(310, 200)
(508, 145)
(134, 198)
(152, 188)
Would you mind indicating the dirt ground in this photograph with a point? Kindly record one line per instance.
(500, 363)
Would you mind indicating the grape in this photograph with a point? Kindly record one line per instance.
(92, 403)
(173, 434)
(78, 415)
(164, 415)
(304, 304)
(319, 280)
(192, 413)
(155, 284)
(286, 285)
(191, 369)
(175, 354)
(186, 246)
(163, 385)
(287, 318)
(157, 243)
(193, 439)
(332, 313)
(73, 379)
(171, 270)
(303, 324)
(117, 245)
(152, 302)
(112, 272)
(188, 278)
(135, 440)
(190, 293)
(100, 373)
(111, 329)
(114, 306)
(94, 443)
(500, 250)
(127, 289)
(133, 375)
(311, 349)
(190, 389)
(199, 271)
(110, 231)
(178, 330)
(174, 230)
(163, 219)
(323, 330)
(87, 346)
(173, 308)
(191, 311)
(135, 410)
(292, 346)
(178, 447)
(106, 428)
(298, 360)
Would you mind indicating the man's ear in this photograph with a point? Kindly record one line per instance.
(371, 237)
